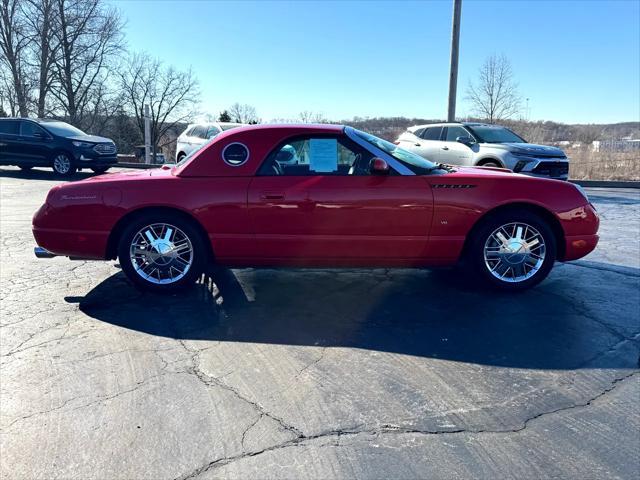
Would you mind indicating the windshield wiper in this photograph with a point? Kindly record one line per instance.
(441, 166)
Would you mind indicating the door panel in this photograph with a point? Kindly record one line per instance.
(431, 150)
(35, 150)
(320, 218)
(455, 153)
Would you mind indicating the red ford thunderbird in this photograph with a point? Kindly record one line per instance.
(321, 196)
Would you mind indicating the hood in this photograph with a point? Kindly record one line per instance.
(482, 172)
(90, 138)
(530, 149)
(126, 176)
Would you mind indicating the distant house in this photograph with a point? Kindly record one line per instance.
(624, 145)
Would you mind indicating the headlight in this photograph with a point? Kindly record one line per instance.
(82, 144)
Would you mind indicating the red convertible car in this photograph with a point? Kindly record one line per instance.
(321, 196)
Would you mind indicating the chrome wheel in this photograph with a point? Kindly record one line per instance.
(161, 253)
(62, 164)
(514, 252)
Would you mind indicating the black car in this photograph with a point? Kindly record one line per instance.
(29, 143)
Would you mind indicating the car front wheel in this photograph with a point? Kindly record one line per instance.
(162, 252)
(513, 250)
(63, 165)
(99, 170)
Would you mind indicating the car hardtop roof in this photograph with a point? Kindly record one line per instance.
(315, 127)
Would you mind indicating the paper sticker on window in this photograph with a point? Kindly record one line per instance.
(323, 153)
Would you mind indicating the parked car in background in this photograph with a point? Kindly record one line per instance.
(345, 199)
(29, 143)
(480, 144)
(197, 134)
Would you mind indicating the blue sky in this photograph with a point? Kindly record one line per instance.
(577, 61)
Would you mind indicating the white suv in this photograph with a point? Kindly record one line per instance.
(480, 144)
(197, 134)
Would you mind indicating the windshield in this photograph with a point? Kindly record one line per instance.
(415, 162)
(62, 129)
(495, 134)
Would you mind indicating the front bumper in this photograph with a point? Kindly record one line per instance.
(88, 157)
(579, 246)
(555, 168)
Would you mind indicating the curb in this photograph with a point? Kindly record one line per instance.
(606, 183)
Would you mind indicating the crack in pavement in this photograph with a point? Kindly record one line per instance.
(215, 381)
(387, 429)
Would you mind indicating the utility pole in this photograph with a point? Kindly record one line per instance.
(453, 72)
(147, 136)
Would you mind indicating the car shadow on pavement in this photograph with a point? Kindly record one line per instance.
(412, 312)
(48, 174)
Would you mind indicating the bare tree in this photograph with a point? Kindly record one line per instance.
(7, 94)
(311, 117)
(495, 96)
(243, 113)
(90, 36)
(41, 19)
(13, 50)
(172, 95)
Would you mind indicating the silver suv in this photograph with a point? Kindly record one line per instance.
(480, 144)
(197, 135)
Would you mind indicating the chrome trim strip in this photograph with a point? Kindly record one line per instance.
(393, 163)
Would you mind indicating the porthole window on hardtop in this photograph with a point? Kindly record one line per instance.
(235, 154)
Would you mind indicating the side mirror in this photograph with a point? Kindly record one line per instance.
(378, 166)
(468, 141)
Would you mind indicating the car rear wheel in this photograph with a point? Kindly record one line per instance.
(513, 250)
(99, 169)
(162, 252)
(181, 156)
(490, 164)
(63, 165)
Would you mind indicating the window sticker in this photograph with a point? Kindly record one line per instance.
(323, 153)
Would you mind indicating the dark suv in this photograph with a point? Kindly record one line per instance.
(29, 143)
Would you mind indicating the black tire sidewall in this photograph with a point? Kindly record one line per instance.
(99, 170)
(187, 226)
(491, 164)
(475, 254)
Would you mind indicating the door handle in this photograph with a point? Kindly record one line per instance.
(445, 148)
(272, 196)
(416, 144)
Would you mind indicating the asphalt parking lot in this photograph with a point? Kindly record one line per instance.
(318, 373)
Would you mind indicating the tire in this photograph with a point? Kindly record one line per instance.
(154, 271)
(63, 164)
(25, 168)
(99, 170)
(491, 163)
(523, 261)
(180, 157)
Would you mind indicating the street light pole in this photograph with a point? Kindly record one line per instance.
(453, 72)
(147, 135)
